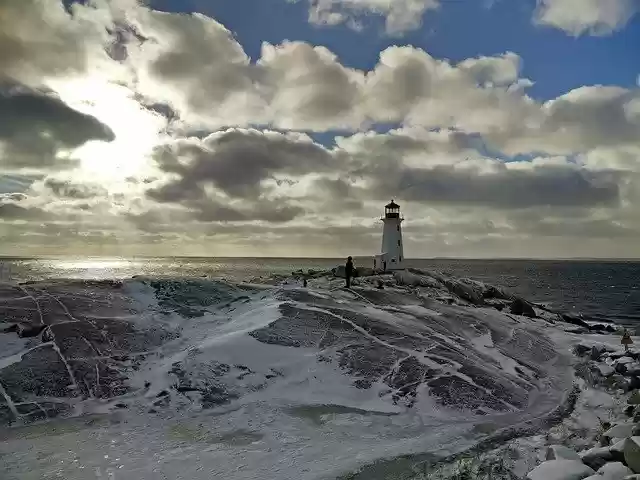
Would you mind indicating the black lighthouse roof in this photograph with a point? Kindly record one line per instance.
(392, 205)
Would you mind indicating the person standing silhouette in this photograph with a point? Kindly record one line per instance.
(348, 271)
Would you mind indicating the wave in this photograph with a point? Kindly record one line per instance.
(305, 382)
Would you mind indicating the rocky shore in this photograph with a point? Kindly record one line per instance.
(616, 453)
(413, 371)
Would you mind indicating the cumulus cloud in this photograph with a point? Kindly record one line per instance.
(36, 127)
(595, 17)
(42, 38)
(400, 15)
(579, 121)
(223, 176)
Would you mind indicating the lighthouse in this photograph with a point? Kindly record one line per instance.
(391, 255)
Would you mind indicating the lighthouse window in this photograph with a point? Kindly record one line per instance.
(400, 259)
(398, 242)
(398, 227)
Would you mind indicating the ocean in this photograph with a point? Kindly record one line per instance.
(598, 290)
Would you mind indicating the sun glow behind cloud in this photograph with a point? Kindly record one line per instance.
(137, 130)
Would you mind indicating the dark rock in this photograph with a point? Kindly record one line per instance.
(41, 373)
(522, 307)
(617, 382)
(25, 330)
(580, 350)
(620, 368)
(465, 292)
(10, 329)
(597, 351)
(568, 318)
(596, 458)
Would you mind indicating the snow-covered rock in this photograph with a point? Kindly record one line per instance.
(615, 471)
(597, 457)
(597, 351)
(560, 470)
(632, 453)
(621, 430)
(560, 452)
(605, 370)
(617, 448)
(624, 360)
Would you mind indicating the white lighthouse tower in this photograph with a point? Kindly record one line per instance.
(392, 254)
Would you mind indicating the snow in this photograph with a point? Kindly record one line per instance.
(614, 471)
(560, 470)
(484, 344)
(621, 430)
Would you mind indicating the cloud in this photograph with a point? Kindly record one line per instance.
(307, 87)
(195, 66)
(67, 188)
(224, 177)
(400, 15)
(578, 17)
(17, 206)
(581, 120)
(36, 128)
(236, 161)
(445, 168)
(40, 39)
(192, 63)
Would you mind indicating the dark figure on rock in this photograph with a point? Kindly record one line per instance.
(348, 272)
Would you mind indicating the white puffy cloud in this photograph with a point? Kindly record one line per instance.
(595, 17)
(400, 15)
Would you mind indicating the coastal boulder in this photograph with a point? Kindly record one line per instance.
(560, 452)
(26, 330)
(581, 350)
(621, 430)
(597, 351)
(614, 471)
(561, 470)
(597, 457)
(521, 307)
(634, 398)
(632, 453)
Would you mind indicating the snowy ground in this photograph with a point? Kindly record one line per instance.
(201, 379)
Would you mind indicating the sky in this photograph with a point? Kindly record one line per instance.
(503, 128)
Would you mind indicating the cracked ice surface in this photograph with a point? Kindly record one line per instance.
(198, 378)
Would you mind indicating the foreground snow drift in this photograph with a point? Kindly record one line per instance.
(193, 379)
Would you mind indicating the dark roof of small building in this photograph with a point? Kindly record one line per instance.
(392, 205)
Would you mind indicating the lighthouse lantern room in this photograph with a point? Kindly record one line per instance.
(391, 256)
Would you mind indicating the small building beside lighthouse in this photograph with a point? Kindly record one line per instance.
(391, 255)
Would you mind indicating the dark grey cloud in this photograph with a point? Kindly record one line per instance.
(14, 206)
(36, 125)
(501, 188)
(66, 188)
(236, 162)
